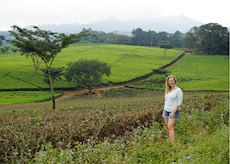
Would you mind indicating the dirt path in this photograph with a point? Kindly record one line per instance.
(98, 91)
(65, 96)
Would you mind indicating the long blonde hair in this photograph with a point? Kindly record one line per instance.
(167, 87)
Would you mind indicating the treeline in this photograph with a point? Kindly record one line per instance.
(210, 38)
(139, 37)
(102, 37)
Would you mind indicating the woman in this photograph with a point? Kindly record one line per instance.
(172, 105)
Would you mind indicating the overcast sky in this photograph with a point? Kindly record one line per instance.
(35, 12)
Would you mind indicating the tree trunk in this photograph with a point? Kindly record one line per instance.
(51, 88)
(54, 103)
(90, 89)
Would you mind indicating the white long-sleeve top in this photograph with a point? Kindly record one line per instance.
(172, 99)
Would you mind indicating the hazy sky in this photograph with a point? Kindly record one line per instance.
(35, 12)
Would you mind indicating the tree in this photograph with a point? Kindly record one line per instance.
(177, 39)
(210, 38)
(213, 39)
(163, 37)
(2, 38)
(45, 45)
(56, 74)
(117, 39)
(190, 40)
(138, 35)
(87, 73)
(94, 37)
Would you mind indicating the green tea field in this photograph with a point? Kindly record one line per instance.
(124, 125)
(194, 72)
(127, 62)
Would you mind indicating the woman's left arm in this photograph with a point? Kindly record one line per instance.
(179, 101)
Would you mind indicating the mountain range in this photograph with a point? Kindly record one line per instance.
(167, 24)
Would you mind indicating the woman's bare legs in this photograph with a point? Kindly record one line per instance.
(166, 124)
(170, 127)
(169, 123)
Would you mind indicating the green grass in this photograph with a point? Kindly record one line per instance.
(194, 72)
(202, 72)
(127, 62)
(24, 97)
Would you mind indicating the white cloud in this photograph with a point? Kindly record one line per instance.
(27, 12)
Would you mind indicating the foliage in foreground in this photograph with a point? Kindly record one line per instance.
(122, 131)
(202, 137)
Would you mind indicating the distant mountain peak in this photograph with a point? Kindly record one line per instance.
(168, 24)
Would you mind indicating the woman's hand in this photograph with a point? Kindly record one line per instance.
(179, 107)
(172, 114)
(163, 113)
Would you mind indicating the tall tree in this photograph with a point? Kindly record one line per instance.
(210, 38)
(138, 35)
(87, 73)
(45, 45)
(191, 40)
(213, 39)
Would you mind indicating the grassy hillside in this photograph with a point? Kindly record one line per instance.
(203, 72)
(195, 72)
(127, 63)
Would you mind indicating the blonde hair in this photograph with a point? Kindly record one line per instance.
(167, 87)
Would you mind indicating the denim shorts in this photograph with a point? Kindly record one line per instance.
(176, 115)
